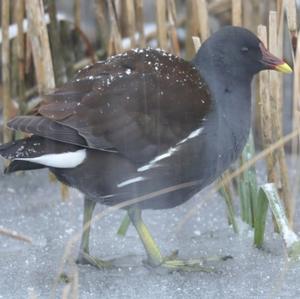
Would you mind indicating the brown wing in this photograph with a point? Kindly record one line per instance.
(140, 103)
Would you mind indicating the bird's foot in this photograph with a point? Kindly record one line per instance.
(173, 263)
(87, 259)
(190, 265)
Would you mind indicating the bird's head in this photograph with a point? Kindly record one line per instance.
(239, 52)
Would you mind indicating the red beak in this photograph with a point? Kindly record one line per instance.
(272, 62)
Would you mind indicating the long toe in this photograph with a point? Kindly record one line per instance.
(87, 259)
(193, 265)
(173, 263)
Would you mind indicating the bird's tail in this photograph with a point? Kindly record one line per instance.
(36, 152)
(17, 165)
(17, 150)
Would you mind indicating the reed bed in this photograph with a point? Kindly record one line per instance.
(47, 54)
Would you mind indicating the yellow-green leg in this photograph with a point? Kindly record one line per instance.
(84, 256)
(154, 256)
(155, 259)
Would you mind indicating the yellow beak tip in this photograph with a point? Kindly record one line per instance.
(284, 68)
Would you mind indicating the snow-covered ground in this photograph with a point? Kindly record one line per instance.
(31, 205)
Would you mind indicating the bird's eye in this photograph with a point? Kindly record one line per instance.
(244, 50)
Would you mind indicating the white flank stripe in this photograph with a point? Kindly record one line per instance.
(146, 167)
(63, 160)
(192, 135)
(195, 133)
(153, 163)
(130, 181)
(169, 153)
(107, 196)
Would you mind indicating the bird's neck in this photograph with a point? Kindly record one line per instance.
(230, 89)
(229, 122)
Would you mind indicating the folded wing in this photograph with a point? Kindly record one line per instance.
(138, 104)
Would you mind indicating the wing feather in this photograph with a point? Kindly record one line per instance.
(140, 103)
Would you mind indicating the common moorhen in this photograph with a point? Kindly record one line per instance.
(143, 121)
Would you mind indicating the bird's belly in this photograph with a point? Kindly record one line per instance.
(116, 181)
(157, 193)
(171, 182)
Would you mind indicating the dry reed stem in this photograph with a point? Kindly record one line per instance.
(192, 27)
(265, 116)
(15, 235)
(280, 28)
(197, 43)
(14, 64)
(64, 191)
(89, 49)
(193, 15)
(114, 42)
(87, 60)
(37, 31)
(171, 9)
(38, 35)
(236, 12)
(127, 20)
(280, 6)
(151, 35)
(252, 14)
(219, 6)
(20, 12)
(190, 30)
(28, 55)
(202, 10)
(274, 76)
(54, 36)
(83, 62)
(131, 21)
(139, 18)
(5, 52)
(286, 187)
(66, 291)
(265, 111)
(276, 99)
(296, 97)
(102, 20)
(291, 14)
(289, 8)
(75, 282)
(161, 24)
(77, 13)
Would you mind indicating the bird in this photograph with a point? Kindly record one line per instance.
(144, 121)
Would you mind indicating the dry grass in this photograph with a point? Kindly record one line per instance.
(6, 96)
(113, 26)
(15, 235)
